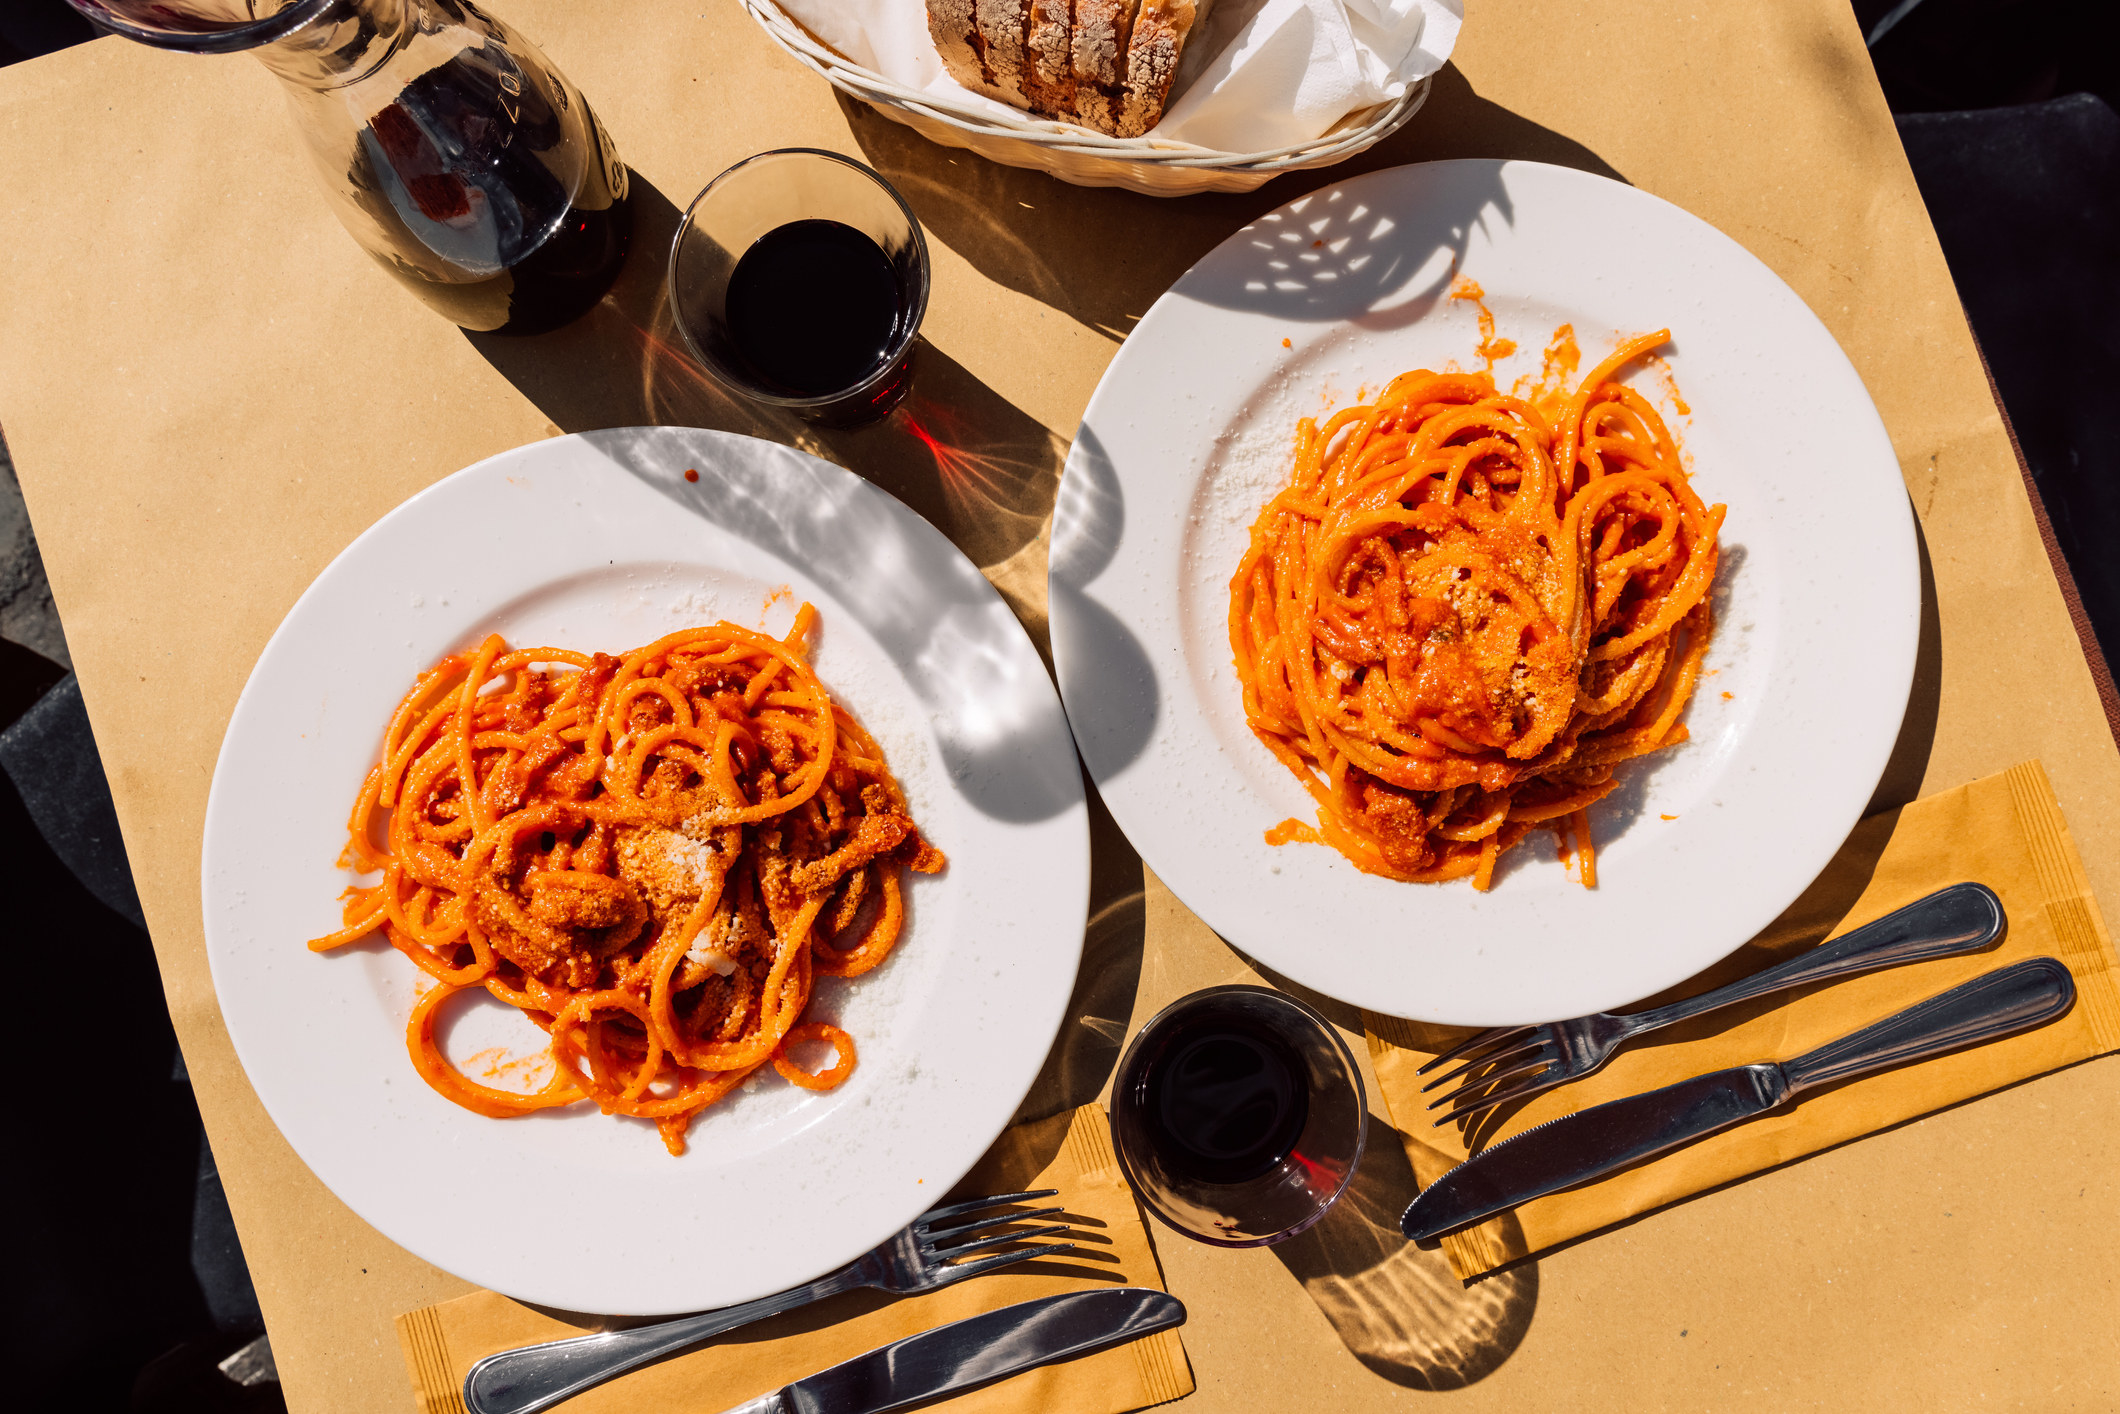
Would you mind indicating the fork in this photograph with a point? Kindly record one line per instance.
(1514, 1063)
(921, 1258)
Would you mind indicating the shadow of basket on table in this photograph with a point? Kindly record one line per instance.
(1102, 255)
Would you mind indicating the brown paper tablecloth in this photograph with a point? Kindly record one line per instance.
(209, 392)
(1071, 1152)
(2004, 831)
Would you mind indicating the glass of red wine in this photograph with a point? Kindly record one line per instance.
(798, 278)
(1239, 1116)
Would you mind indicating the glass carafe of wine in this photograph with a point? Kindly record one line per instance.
(450, 147)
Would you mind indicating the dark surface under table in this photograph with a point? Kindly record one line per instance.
(132, 1281)
(2026, 203)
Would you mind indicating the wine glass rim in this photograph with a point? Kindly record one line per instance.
(222, 39)
(1191, 999)
(1143, 1192)
(898, 346)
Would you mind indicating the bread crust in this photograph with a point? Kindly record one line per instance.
(1152, 54)
(1002, 25)
(1047, 43)
(1097, 48)
(953, 24)
(1106, 64)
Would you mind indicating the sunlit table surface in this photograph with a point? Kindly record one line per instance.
(209, 392)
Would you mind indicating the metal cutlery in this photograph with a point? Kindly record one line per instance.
(976, 1351)
(924, 1256)
(1505, 1064)
(1605, 1138)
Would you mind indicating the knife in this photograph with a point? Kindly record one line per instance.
(976, 1351)
(1604, 1138)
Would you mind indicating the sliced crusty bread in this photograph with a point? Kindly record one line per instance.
(1097, 47)
(1152, 54)
(1002, 26)
(1050, 79)
(954, 27)
(981, 44)
(1107, 64)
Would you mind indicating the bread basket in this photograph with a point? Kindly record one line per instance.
(1073, 154)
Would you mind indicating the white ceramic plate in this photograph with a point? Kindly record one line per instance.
(1818, 598)
(598, 542)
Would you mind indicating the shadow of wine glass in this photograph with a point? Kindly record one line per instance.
(1098, 659)
(980, 469)
(1114, 943)
(994, 716)
(1088, 1046)
(1399, 1308)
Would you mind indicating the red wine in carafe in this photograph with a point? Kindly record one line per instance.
(494, 172)
(1225, 1100)
(813, 307)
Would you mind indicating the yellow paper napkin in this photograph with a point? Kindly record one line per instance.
(1071, 1152)
(2005, 831)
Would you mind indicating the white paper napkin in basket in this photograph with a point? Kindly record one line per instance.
(1263, 74)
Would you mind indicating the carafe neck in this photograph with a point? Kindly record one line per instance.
(313, 43)
(344, 42)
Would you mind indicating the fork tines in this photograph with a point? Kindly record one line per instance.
(1487, 1063)
(1478, 1041)
(928, 1219)
(949, 1243)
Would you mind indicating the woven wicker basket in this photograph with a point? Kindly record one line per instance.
(1078, 155)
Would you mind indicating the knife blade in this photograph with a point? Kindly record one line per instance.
(976, 1351)
(1603, 1139)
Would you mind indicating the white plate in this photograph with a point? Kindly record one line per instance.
(598, 542)
(1818, 597)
